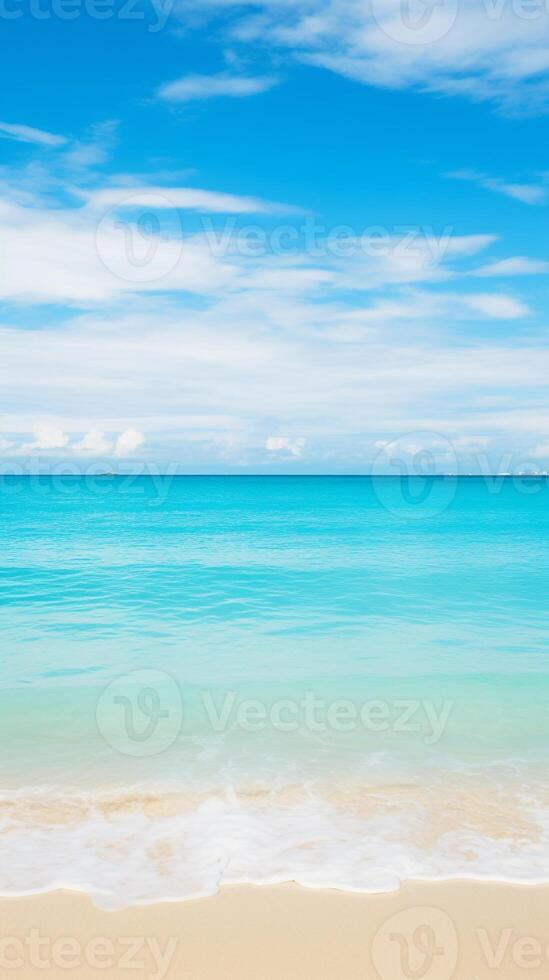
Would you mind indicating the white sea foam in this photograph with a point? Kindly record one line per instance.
(139, 847)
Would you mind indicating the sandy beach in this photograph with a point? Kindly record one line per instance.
(436, 931)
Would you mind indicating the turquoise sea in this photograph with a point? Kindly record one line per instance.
(339, 681)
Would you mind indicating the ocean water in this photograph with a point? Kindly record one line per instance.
(338, 681)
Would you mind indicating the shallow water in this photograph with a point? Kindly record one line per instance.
(338, 680)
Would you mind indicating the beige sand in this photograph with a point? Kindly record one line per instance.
(467, 930)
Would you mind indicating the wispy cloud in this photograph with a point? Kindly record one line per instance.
(517, 266)
(130, 240)
(27, 134)
(193, 88)
(236, 356)
(254, 363)
(482, 51)
(124, 241)
(495, 306)
(526, 193)
(181, 198)
(93, 149)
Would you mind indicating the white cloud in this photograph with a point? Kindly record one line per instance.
(180, 198)
(369, 262)
(470, 442)
(526, 193)
(27, 134)
(66, 254)
(517, 266)
(94, 443)
(128, 441)
(335, 346)
(411, 445)
(110, 247)
(47, 437)
(52, 439)
(282, 444)
(195, 383)
(540, 452)
(199, 87)
(496, 306)
(419, 256)
(92, 150)
(455, 245)
(481, 51)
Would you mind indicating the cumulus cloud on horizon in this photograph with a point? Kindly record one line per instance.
(51, 439)
(283, 444)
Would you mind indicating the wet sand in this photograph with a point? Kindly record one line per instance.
(425, 931)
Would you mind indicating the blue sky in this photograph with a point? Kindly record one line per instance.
(274, 236)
